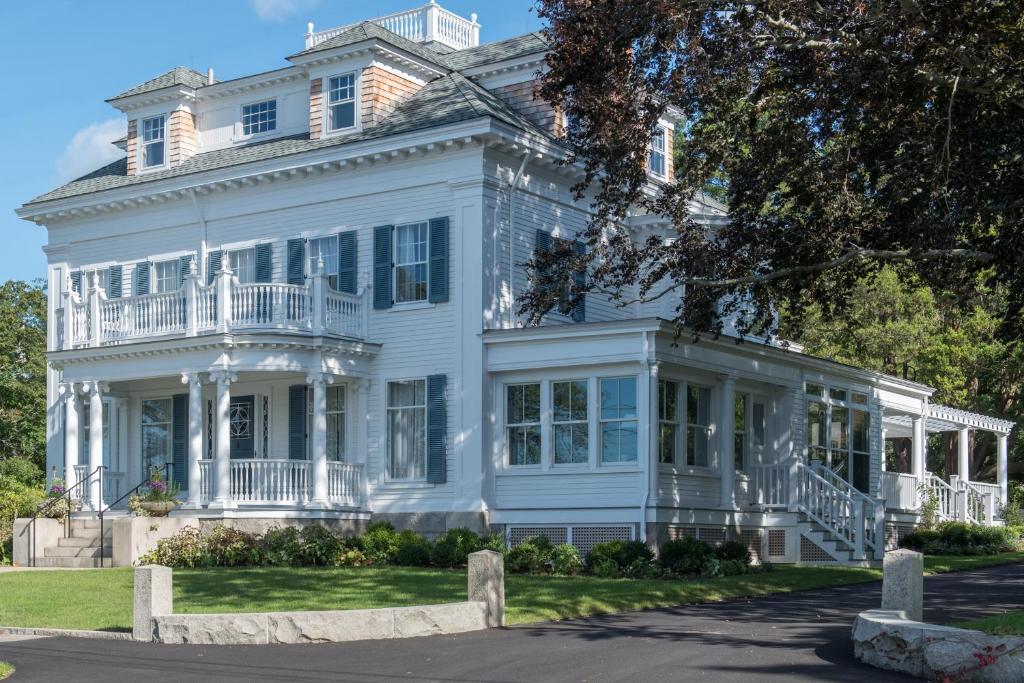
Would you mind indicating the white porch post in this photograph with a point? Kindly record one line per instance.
(223, 285)
(319, 382)
(882, 464)
(71, 427)
(222, 496)
(95, 328)
(917, 448)
(727, 440)
(95, 441)
(195, 437)
(318, 285)
(192, 303)
(963, 463)
(1002, 442)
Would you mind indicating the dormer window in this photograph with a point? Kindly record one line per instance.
(259, 117)
(656, 154)
(341, 102)
(153, 142)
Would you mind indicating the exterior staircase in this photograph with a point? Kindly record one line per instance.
(828, 549)
(82, 548)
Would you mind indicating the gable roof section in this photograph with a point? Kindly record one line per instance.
(446, 100)
(489, 53)
(368, 31)
(180, 75)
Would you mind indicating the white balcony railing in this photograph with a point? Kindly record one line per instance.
(429, 23)
(899, 490)
(282, 482)
(770, 486)
(222, 306)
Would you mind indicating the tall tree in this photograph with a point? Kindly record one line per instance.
(850, 134)
(23, 371)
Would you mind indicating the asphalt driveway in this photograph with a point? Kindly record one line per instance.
(796, 637)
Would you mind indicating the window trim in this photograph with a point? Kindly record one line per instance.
(332, 278)
(591, 454)
(671, 421)
(242, 135)
(386, 470)
(509, 425)
(827, 401)
(601, 421)
(395, 265)
(234, 271)
(141, 144)
(154, 278)
(357, 83)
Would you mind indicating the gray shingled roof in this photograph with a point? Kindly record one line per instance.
(179, 75)
(445, 100)
(520, 46)
(368, 30)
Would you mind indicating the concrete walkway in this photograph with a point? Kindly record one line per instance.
(797, 637)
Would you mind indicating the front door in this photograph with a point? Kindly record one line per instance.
(243, 426)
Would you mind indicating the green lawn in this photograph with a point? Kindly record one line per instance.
(102, 599)
(5, 670)
(1007, 624)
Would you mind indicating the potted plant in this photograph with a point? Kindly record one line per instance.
(157, 498)
(56, 504)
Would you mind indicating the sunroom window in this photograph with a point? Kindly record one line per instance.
(156, 433)
(618, 420)
(668, 421)
(698, 425)
(838, 434)
(153, 141)
(570, 429)
(336, 423)
(522, 407)
(341, 102)
(259, 117)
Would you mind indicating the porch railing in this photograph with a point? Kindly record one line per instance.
(854, 519)
(222, 306)
(345, 483)
(282, 482)
(872, 510)
(769, 486)
(899, 490)
(945, 496)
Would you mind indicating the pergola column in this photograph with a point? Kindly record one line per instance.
(917, 453)
(1002, 442)
(195, 437)
(963, 461)
(71, 434)
(95, 442)
(319, 441)
(222, 418)
(727, 441)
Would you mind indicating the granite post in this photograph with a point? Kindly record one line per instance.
(903, 583)
(153, 598)
(487, 584)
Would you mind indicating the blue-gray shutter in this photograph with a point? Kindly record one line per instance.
(214, 259)
(114, 282)
(438, 265)
(579, 278)
(179, 440)
(184, 267)
(141, 278)
(297, 422)
(76, 282)
(347, 261)
(264, 262)
(437, 425)
(543, 241)
(296, 264)
(382, 265)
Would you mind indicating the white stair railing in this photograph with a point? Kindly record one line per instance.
(873, 510)
(831, 508)
(945, 496)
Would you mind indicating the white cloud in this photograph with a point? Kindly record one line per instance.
(90, 149)
(279, 10)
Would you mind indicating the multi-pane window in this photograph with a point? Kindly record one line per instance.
(668, 421)
(324, 250)
(698, 425)
(336, 423)
(570, 429)
(243, 264)
(522, 410)
(156, 433)
(618, 420)
(165, 276)
(741, 439)
(259, 117)
(341, 102)
(656, 153)
(411, 262)
(407, 429)
(153, 141)
(838, 433)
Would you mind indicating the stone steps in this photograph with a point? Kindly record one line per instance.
(89, 551)
(87, 541)
(71, 562)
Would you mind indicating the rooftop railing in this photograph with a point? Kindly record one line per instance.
(430, 23)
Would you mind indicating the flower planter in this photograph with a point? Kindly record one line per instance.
(157, 508)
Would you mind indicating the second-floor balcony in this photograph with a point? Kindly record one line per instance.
(222, 306)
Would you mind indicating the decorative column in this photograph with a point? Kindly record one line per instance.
(1002, 441)
(653, 442)
(727, 440)
(318, 285)
(191, 303)
(917, 453)
(222, 489)
(95, 328)
(71, 434)
(319, 380)
(882, 464)
(96, 390)
(223, 285)
(195, 437)
(963, 461)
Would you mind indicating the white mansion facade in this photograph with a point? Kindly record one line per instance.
(297, 291)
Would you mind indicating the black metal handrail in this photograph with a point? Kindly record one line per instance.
(103, 510)
(67, 518)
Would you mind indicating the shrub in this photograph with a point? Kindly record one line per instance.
(733, 550)
(319, 546)
(529, 557)
(495, 542)
(684, 555)
(1014, 503)
(17, 499)
(282, 546)
(380, 543)
(184, 549)
(604, 568)
(21, 470)
(622, 553)
(733, 567)
(711, 568)
(959, 538)
(413, 550)
(452, 548)
(566, 560)
(350, 557)
(224, 547)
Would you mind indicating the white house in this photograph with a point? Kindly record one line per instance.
(297, 291)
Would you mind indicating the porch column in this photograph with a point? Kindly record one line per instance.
(917, 453)
(882, 464)
(222, 495)
(727, 440)
(195, 437)
(95, 441)
(1002, 441)
(963, 461)
(319, 382)
(71, 427)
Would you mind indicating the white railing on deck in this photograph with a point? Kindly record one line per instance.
(206, 475)
(206, 307)
(270, 305)
(77, 315)
(343, 313)
(270, 481)
(899, 490)
(770, 486)
(431, 22)
(345, 483)
(142, 316)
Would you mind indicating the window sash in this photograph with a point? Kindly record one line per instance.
(336, 433)
(327, 248)
(656, 153)
(243, 264)
(570, 424)
(259, 117)
(165, 276)
(153, 141)
(618, 421)
(668, 421)
(411, 255)
(698, 426)
(341, 94)
(741, 440)
(156, 433)
(407, 429)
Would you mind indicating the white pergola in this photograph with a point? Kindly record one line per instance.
(939, 418)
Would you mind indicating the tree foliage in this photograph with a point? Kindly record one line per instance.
(23, 372)
(843, 135)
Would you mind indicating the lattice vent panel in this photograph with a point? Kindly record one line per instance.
(677, 532)
(752, 539)
(776, 543)
(555, 534)
(811, 552)
(711, 535)
(586, 537)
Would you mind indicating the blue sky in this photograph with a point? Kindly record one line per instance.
(63, 58)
